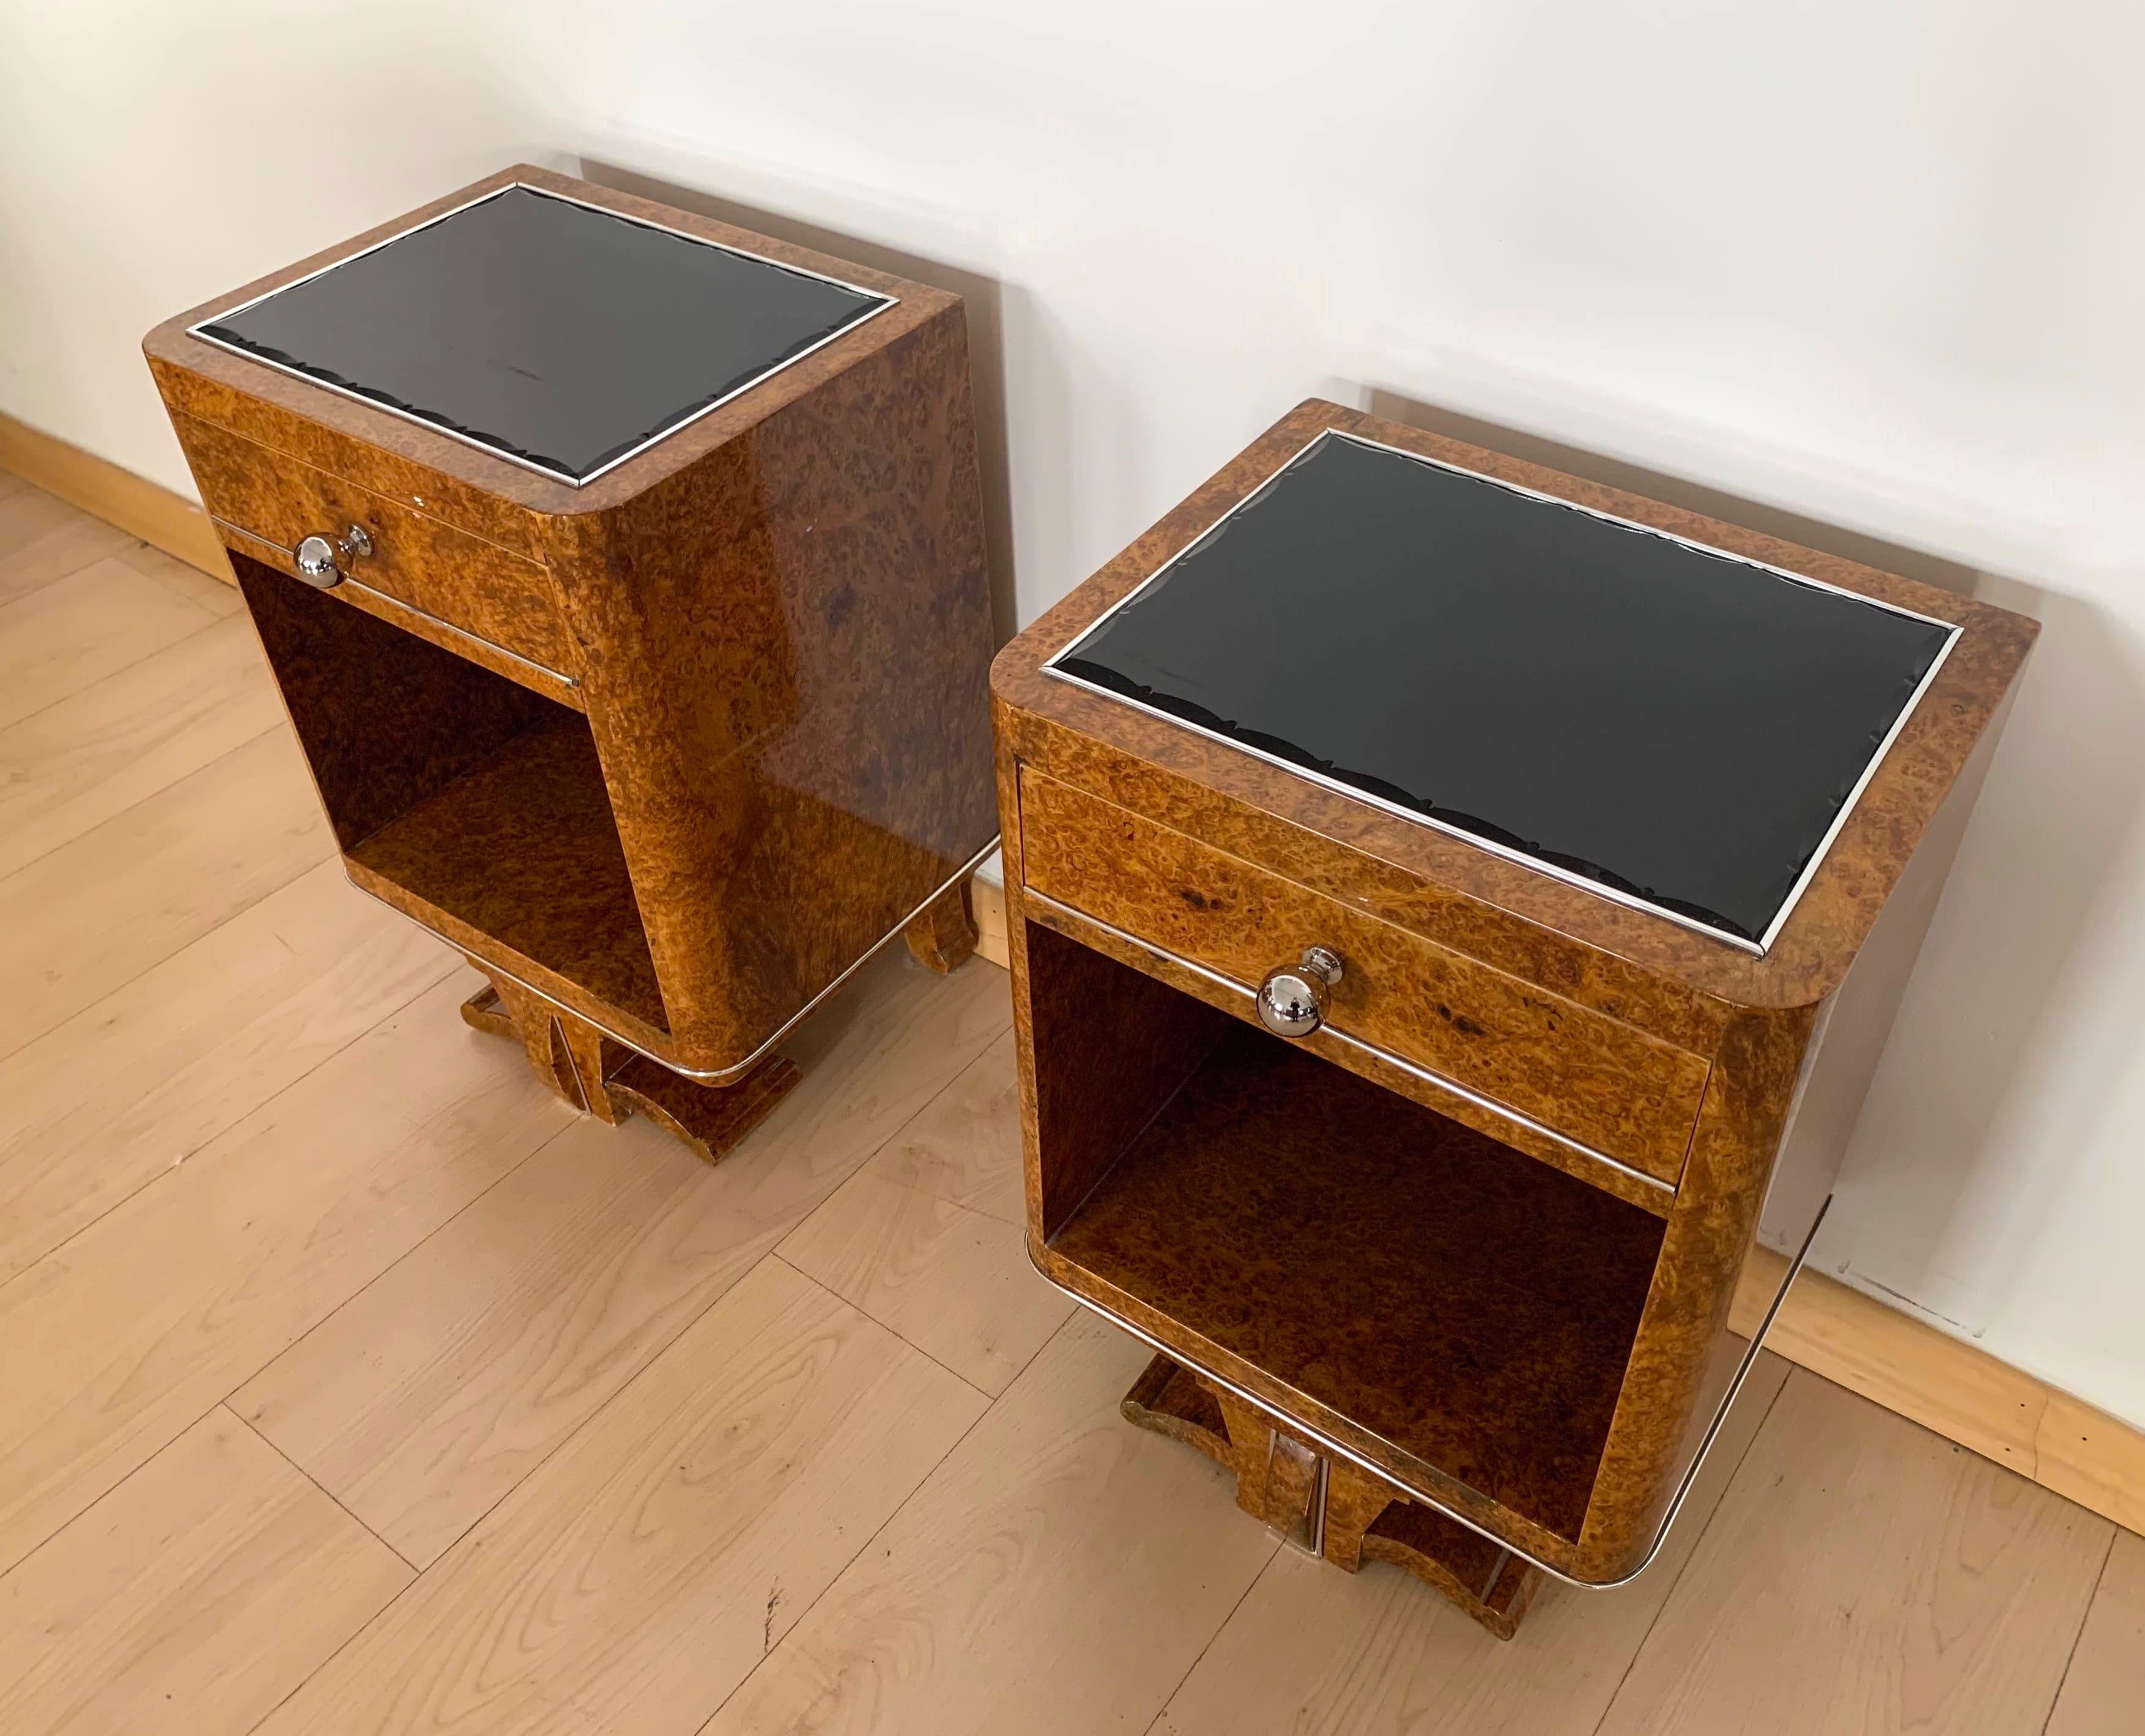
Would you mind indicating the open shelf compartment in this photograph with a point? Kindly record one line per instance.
(464, 798)
(1447, 1298)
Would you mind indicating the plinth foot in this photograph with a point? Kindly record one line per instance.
(943, 934)
(1352, 1516)
(609, 1081)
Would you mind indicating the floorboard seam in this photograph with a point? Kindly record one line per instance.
(56, 578)
(149, 796)
(467, 1205)
(899, 1508)
(165, 958)
(775, 1255)
(7, 1569)
(209, 620)
(1176, 1687)
(300, 1470)
(2056, 1699)
(653, 1357)
(1631, 1663)
(399, 1008)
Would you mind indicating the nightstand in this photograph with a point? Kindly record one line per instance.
(622, 575)
(1456, 909)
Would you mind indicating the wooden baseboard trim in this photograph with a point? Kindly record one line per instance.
(1893, 1360)
(1950, 1387)
(134, 504)
(986, 905)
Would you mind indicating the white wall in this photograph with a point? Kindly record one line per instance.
(1870, 263)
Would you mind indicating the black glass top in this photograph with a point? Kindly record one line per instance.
(561, 337)
(1673, 725)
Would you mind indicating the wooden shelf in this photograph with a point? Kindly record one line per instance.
(524, 849)
(1467, 1305)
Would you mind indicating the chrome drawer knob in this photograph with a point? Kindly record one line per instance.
(1292, 999)
(316, 556)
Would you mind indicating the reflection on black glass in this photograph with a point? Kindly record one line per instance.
(562, 336)
(1672, 723)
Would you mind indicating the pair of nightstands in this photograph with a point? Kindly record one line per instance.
(1455, 909)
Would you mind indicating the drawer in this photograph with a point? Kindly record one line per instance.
(476, 587)
(1592, 1078)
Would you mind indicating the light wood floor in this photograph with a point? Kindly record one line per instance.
(350, 1384)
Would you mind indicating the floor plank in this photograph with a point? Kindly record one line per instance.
(86, 919)
(870, 1065)
(954, 1283)
(193, 1598)
(64, 636)
(1864, 1576)
(141, 1080)
(965, 1146)
(1380, 1654)
(1060, 1572)
(216, 595)
(42, 539)
(2103, 1693)
(635, 1578)
(426, 1399)
(113, 1345)
(76, 764)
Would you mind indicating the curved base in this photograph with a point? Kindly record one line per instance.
(590, 1071)
(1348, 1516)
(942, 933)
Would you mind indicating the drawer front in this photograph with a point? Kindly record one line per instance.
(472, 584)
(1592, 1078)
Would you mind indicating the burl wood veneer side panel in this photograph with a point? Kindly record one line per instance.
(385, 720)
(1680, 1342)
(463, 580)
(1591, 1077)
(785, 651)
(1829, 924)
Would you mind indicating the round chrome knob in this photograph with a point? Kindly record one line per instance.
(1292, 998)
(317, 556)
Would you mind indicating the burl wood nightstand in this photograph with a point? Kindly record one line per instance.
(623, 573)
(1577, 848)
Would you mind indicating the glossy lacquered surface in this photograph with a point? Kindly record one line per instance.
(1670, 721)
(561, 336)
(674, 750)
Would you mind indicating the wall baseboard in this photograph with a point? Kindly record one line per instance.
(1905, 1364)
(134, 504)
(1892, 1360)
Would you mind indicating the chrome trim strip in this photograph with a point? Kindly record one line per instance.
(1667, 1518)
(884, 299)
(1615, 895)
(1028, 894)
(422, 614)
(705, 1076)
